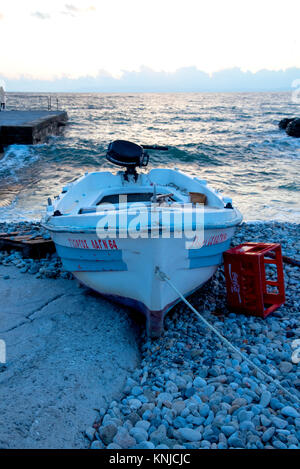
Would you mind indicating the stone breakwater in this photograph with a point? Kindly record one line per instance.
(189, 390)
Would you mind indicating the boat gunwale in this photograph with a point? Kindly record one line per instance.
(91, 230)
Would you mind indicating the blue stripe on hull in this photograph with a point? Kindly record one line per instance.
(90, 260)
(207, 255)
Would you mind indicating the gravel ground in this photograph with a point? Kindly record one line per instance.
(190, 391)
(49, 267)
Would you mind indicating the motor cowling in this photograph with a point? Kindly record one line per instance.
(127, 154)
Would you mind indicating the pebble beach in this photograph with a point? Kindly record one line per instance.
(190, 391)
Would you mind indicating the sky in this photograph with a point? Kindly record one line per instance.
(54, 40)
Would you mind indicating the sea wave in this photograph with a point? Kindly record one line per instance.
(232, 140)
(15, 158)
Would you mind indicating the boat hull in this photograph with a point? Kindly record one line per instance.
(124, 270)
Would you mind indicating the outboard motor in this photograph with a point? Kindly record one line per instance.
(130, 155)
(127, 154)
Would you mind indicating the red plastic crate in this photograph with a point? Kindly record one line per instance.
(247, 282)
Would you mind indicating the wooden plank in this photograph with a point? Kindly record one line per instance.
(34, 248)
(5, 235)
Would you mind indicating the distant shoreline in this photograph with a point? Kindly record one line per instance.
(126, 92)
(188, 79)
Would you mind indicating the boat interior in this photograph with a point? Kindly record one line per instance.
(162, 186)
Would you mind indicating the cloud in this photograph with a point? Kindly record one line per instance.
(71, 7)
(41, 16)
(72, 10)
(188, 79)
(1, 16)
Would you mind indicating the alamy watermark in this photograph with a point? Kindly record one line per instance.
(152, 220)
(2, 352)
(296, 92)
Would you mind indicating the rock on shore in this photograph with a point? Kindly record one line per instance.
(291, 126)
(48, 267)
(191, 392)
(285, 122)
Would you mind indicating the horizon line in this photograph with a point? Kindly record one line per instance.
(151, 92)
(183, 80)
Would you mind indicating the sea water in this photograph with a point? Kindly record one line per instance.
(230, 139)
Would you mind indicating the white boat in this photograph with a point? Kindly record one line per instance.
(115, 232)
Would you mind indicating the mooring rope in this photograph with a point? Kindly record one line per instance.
(165, 278)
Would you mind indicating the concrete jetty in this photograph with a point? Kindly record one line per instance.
(68, 353)
(30, 127)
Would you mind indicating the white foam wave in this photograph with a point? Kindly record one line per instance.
(15, 158)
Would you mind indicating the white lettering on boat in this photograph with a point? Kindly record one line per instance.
(102, 244)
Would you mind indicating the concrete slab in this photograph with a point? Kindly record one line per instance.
(15, 118)
(30, 127)
(68, 353)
